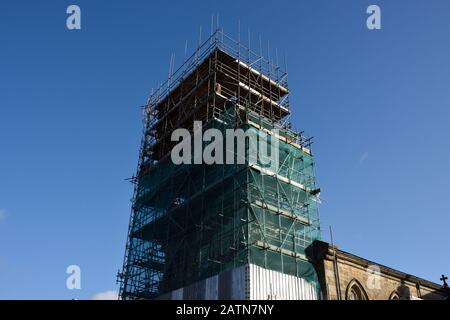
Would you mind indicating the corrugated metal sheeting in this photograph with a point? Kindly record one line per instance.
(272, 285)
(247, 282)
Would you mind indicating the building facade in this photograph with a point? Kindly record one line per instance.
(344, 276)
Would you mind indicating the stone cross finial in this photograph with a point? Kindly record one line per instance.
(444, 278)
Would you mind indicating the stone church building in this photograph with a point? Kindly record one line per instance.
(344, 276)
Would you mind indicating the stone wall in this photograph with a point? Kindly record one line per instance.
(369, 280)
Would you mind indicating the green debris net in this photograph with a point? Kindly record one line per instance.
(191, 222)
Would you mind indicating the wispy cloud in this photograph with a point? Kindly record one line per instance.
(106, 295)
(362, 158)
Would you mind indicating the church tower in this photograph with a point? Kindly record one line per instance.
(222, 231)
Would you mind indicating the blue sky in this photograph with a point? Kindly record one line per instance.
(377, 103)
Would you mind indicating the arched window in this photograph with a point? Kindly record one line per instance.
(355, 291)
(394, 296)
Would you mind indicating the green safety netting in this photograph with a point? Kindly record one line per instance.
(190, 221)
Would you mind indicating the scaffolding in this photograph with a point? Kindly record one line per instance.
(193, 221)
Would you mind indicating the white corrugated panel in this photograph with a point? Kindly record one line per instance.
(177, 294)
(212, 286)
(272, 285)
(238, 283)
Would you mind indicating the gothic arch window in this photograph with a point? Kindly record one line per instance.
(355, 291)
(394, 296)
